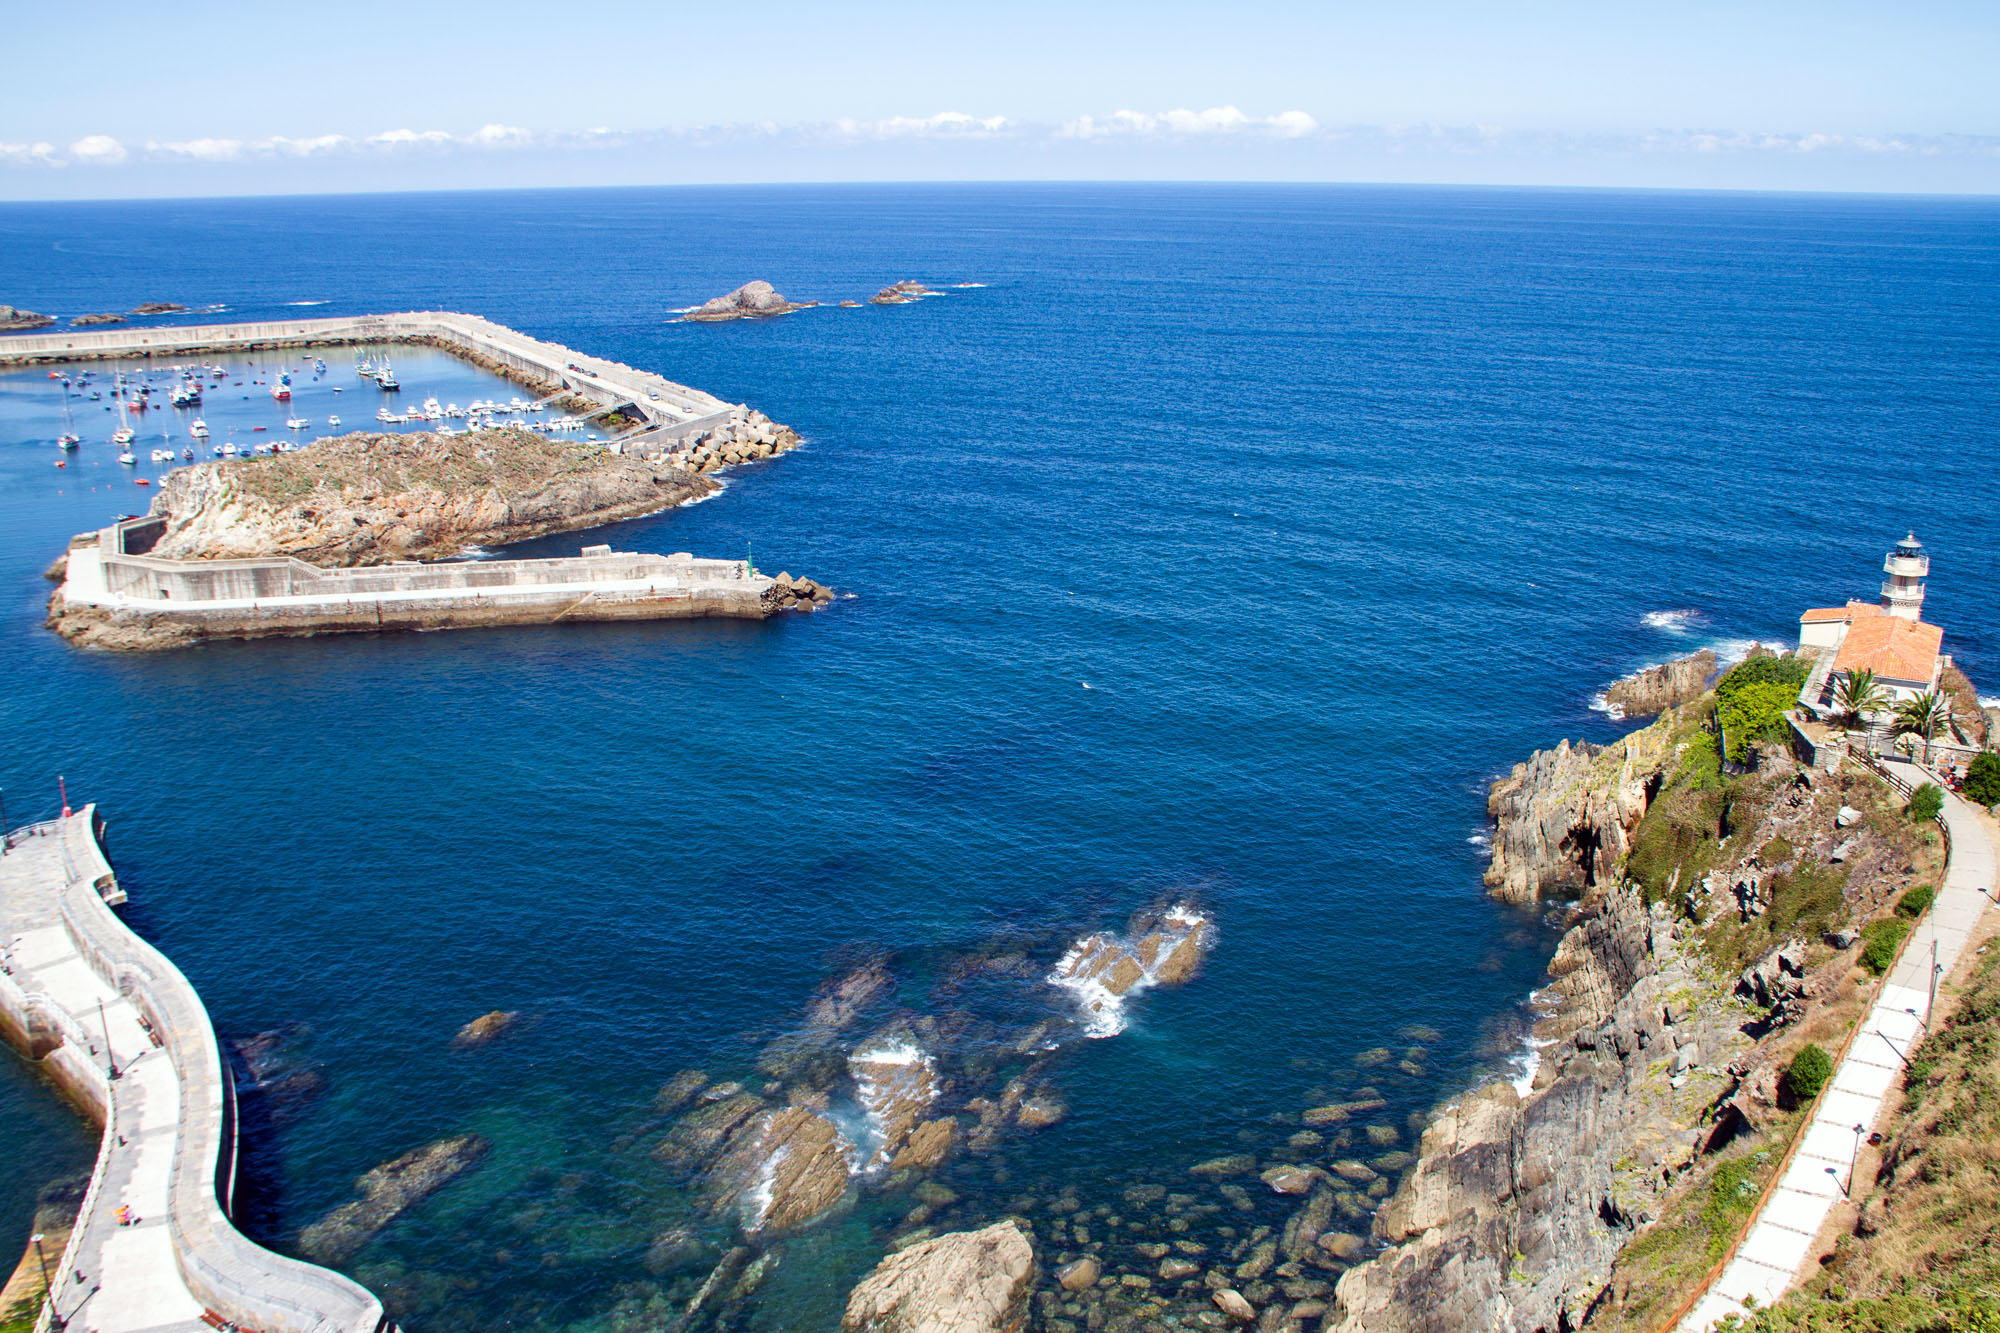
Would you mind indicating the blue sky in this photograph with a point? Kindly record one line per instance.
(120, 100)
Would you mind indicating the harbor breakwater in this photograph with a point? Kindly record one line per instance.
(123, 1033)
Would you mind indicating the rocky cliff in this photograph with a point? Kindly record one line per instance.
(1654, 690)
(1517, 1207)
(364, 499)
(1565, 817)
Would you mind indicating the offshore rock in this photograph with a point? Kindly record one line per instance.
(901, 293)
(699, 1135)
(13, 320)
(386, 1192)
(753, 300)
(782, 1170)
(86, 321)
(1654, 690)
(485, 1028)
(158, 308)
(1564, 819)
(363, 499)
(960, 1282)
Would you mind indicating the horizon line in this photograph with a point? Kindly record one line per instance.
(892, 182)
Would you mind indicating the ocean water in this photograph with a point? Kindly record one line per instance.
(1220, 548)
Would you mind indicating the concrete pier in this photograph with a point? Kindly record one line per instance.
(114, 595)
(666, 411)
(121, 1030)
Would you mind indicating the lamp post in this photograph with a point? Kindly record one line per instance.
(48, 1296)
(1854, 1163)
(1935, 969)
(6, 839)
(110, 1057)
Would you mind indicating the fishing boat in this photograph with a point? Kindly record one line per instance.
(282, 391)
(333, 421)
(387, 379)
(163, 455)
(187, 455)
(199, 429)
(297, 423)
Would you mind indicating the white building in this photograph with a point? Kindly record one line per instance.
(1888, 637)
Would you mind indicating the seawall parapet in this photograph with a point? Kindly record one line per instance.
(114, 596)
(122, 1030)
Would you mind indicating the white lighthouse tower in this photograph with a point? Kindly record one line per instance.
(1903, 590)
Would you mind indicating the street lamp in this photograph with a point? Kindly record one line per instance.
(1854, 1163)
(48, 1296)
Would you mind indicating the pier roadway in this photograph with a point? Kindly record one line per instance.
(666, 411)
(121, 1030)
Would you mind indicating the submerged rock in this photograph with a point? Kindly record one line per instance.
(699, 1135)
(895, 1082)
(386, 1192)
(960, 1282)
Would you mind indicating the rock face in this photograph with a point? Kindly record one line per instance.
(85, 321)
(13, 320)
(901, 293)
(789, 594)
(364, 499)
(386, 1192)
(1516, 1207)
(1564, 818)
(960, 1282)
(753, 300)
(1653, 691)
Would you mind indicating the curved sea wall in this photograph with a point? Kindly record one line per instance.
(226, 1273)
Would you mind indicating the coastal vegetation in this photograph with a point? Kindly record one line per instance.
(1807, 1073)
(1751, 699)
(1982, 780)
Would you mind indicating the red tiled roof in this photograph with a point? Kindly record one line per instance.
(1891, 647)
(1852, 611)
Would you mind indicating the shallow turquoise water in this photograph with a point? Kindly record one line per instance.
(1338, 500)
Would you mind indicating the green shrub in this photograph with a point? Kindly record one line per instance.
(1754, 713)
(1982, 780)
(1916, 902)
(1788, 671)
(1926, 803)
(1807, 1074)
(1879, 942)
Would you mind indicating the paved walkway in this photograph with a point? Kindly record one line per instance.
(117, 1279)
(1818, 1176)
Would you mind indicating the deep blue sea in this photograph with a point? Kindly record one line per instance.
(1222, 546)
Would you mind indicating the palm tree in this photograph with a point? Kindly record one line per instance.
(1856, 695)
(1925, 716)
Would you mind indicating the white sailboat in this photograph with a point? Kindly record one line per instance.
(124, 435)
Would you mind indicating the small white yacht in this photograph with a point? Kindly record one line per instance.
(199, 430)
(297, 423)
(333, 421)
(127, 459)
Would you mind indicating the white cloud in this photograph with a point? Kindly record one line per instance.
(497, 136)
(322, 143)
(945, 124)
(204, 150)
(97, 150)
(399, 138)
(30, 155)
(1189, 124)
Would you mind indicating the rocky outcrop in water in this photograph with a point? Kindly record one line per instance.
(791, 594)
(364, 499)
(901, 293)
(1654, 690)
(159, 308)
(1158, 949)
(86, 321)
(1564, 819)
(744, 438)
(753, 300)
(13, 320)
(782, 1170)
(386, 1192)
(960, 1282)
(486, 1028)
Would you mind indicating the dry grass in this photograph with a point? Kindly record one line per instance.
(362, 464)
